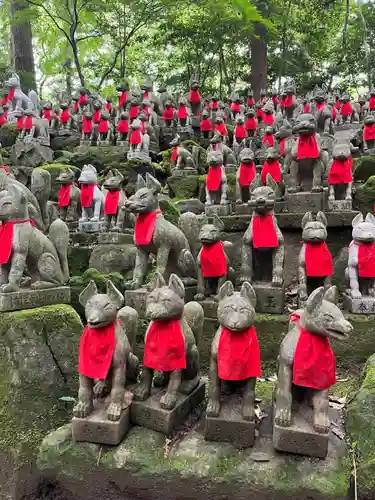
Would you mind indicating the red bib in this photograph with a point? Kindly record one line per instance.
(273, 169)
(334, 113)
(145, 227)
(12, 91)
(2, 119)
(135, 137)
(338, 104)
(168, 114)
(28, 123)
(238, 355)
(206, 125)
(108, 106)
(371, 103)
(134, 112)
(318, 260)
(307, 147)
(320, 106)
(366, 260)
(20, 121)
(340, 172)
(268, 119)
(194, 96)
(240, 132)
(87, 195)
(214, 105)
(47, 114)
(288, 101)
(213, 180)
(6, 239)
(82, 99)
(96, 116)
(282, 146)
(251, 101)
(123, 98)
(260, 115)
(306, 108)
(221, 128)
(251, 123)
(165, 349)
(269, 140)
(96, 350)
(275, 99)
(182, 112)
(103, 127)
(174, 154)
(247, 174)
(314, 363)
(369, 132)
(346, 109)
(213, 260)
(64, 195)
(86, 125)
(65, 116)
(264, 232)
(111, 202)
(123, 127)
(235, 107)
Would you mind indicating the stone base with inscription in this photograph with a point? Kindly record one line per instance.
(90, 227)
(29, 299)
(270, 299)
(300, 437)
(184, 172)
(210, 308)
(229, 426)
(112, 238)
(96, 428)
(149, 414)
(339, 205)
(220, 210)
(364, 305)
(305, 202)
(137, 155)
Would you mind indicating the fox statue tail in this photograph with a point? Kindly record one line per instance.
(194, 315)
(59, 235)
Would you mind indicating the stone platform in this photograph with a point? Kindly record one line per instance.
(364, 305)
(184, 172)
(112, 238)
(305, 202)
(29, 299)
(270, 299)
(90, 227)
(220, 210)
(340, 205)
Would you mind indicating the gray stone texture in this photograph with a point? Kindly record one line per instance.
(270, 299)
(30, 299)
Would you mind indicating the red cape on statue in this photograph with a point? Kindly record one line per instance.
(307, 147)
(235, 107)
(268, 119)
(282, 146)
(306, 108)
(133, 112)
(20, 121)
(182, 112)
(206, 125)
(320, 106)
(165, 349)
(194, 96)
(6, 239)
(135, 137)
(47, 114)
(275, 99)
(268, 139)
(65, 116)
(346, 109)
(369, 132)
(247, 174)
(238, 355)
(251, 123)
(111, 202)
(145, 227)
(28, 123)
(2, 119)
(86, 126)
(264, 232)
(96, 116)
(174, 154)
(108, 106)
(213, 180)
(11, 93)
(340, 172)
(213, 260)
(366, 260)
(273, 169)
(82, 99)
(318, 260)
(64, 195)
(103, 127)
(240, 132)
(87, 195)
(123, 127)
(123, 98)
(314, 364)
(96, 350)
(251, 101)
(168, 114)
(371, 103)
(288, 101)
(221, 128)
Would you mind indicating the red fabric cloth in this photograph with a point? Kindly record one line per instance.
(235, 107)
(146, 110)
(4, 100)
(268, 119)
(240, 132)
(307, 147)
(135, 137)
(82, 99)
(260, 114)
(87, 195)
(238, 355)
(182, 112)
(275, 99)
(6, 239)
(168, 114)
(20, 121)
(338, 104)
(133, 112)
(306, 108)
(12, 91)
(318, 260)
(251, 101)
(96, 116)
(86, 125)
(165, 349)
(221, 128)
(288, 101)
(369, 132)
(366, 260)
(194, 96)
(371, 102)
(247, 174)
(96, 350)
(340, 172)
(145, 227)
(65, 116)
(314, 364)
(111, 202)
(268, 139)
(123, 127)
(334, 113)
(174, 154)
(251, 123)
(213, 180)
(262, 99)
(108, 106)
(103, 127)
(122, 98)
(213, 260)
(273, 169)
(264, 232)
(282, 102)
(75, 107)
(47, 114)
(28, 123)
(64, 195)
(2, 120)
(346, 109)
(5, 168)
(320, 106)
(214, 105)
(206, 125)
(146, 95)
(282, 146)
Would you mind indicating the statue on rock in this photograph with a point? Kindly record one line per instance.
(68, 196)
(245, 176)
(91, 199)
(104, 130)
(115, 216)
(216, 185)
(340, 178)
(239, 132)
(97, 114)
(289, 102)
(47, 113)
(251, 123)
(17, 99)
(122, 129)
(271, 166)
(371, 102)
(220, 127)
(217, 144)
(235, 358)
(106, 362)
(194, 98)
(169, 112)
(65, 117)
(139, 143)
(369, 134)
(268, 140)
(40, 186)
(181, 157)
(315, 265)
(323, 115)
(206, 127)
(123, 95)
(87, 128)
(268, 114)
(347, 110)
(307, 367)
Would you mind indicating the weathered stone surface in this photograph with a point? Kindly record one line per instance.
(115, 238)
(193, 205)
(90, 227)
(32, 154)
(243, 209)
(305, 202)
(29, 299)
(340, 205)
(364, 167)
(183, 187)
(8, 134)
(270, 299)
(113, 258)
(66, 142)
(364, 305)
(220, 210)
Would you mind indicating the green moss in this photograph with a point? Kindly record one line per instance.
(99, 157)
(184, 187)
(364, 167)
(8, 134)
(78, 259)
(99, 279)
(170, 211)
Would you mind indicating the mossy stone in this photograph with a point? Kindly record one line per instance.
(364, 197)
(170, 211)
(184, 187)
(363, 168)
(99, 157)
(78, 259)
(54, 169)
(8, 134)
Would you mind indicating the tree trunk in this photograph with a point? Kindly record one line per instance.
(22, 47)
(258, 51)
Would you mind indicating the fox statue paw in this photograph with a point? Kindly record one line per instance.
(168, 401)
(213, 408)
(321, 422)
(114, 411)
(82, 409)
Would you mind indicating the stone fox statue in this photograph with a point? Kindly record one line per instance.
(306, 358)
(154, 234)
(23, 245)
(171, 341)
(105, 352)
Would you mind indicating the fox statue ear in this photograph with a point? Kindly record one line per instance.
(141, 183)
(114, 295)
(153, 183)
(257, 182)
(332, 295)
(176, 285)
(218, 223)
(357, 220)
(248, 292)
(157, 281)
(226, 290)
(271, 183)
(321, 218)
(370, 219)
(87, 293)
(315, 300)
(306, 218)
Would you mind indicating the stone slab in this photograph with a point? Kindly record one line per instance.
(139, 156)
(220, 210)
(196, 121)
(305, 202)
(90, 227)
(209, 308)
(149, 414)
(270, 299)
(243, 209)
(364, 305)
(300, 438)
(184, 172)
(112, 238)
(229, 426)
(29, 299)
(340, 205)
(96, 428)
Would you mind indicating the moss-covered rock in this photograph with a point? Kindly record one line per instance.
(169, 209)
(8, 134)
(184, 187)
(54, 169)
(364, 167)
(364, 197)
(66, 142)
(78, 259)
(99, 157)
(113, 258)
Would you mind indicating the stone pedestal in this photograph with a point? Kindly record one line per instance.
(339, 205)
(220, 210)
(138, 155)
(72, 226)
(115, 238)
(230, 169)
(96, 428)
(149, 414)
(243, 209)
(270, 299)
(90, 227)
(364, 305)
(229, 426)
(300, 438)
(196, 121)
(209, 308)
(184, 172)
(29, 299)
(305, 201)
